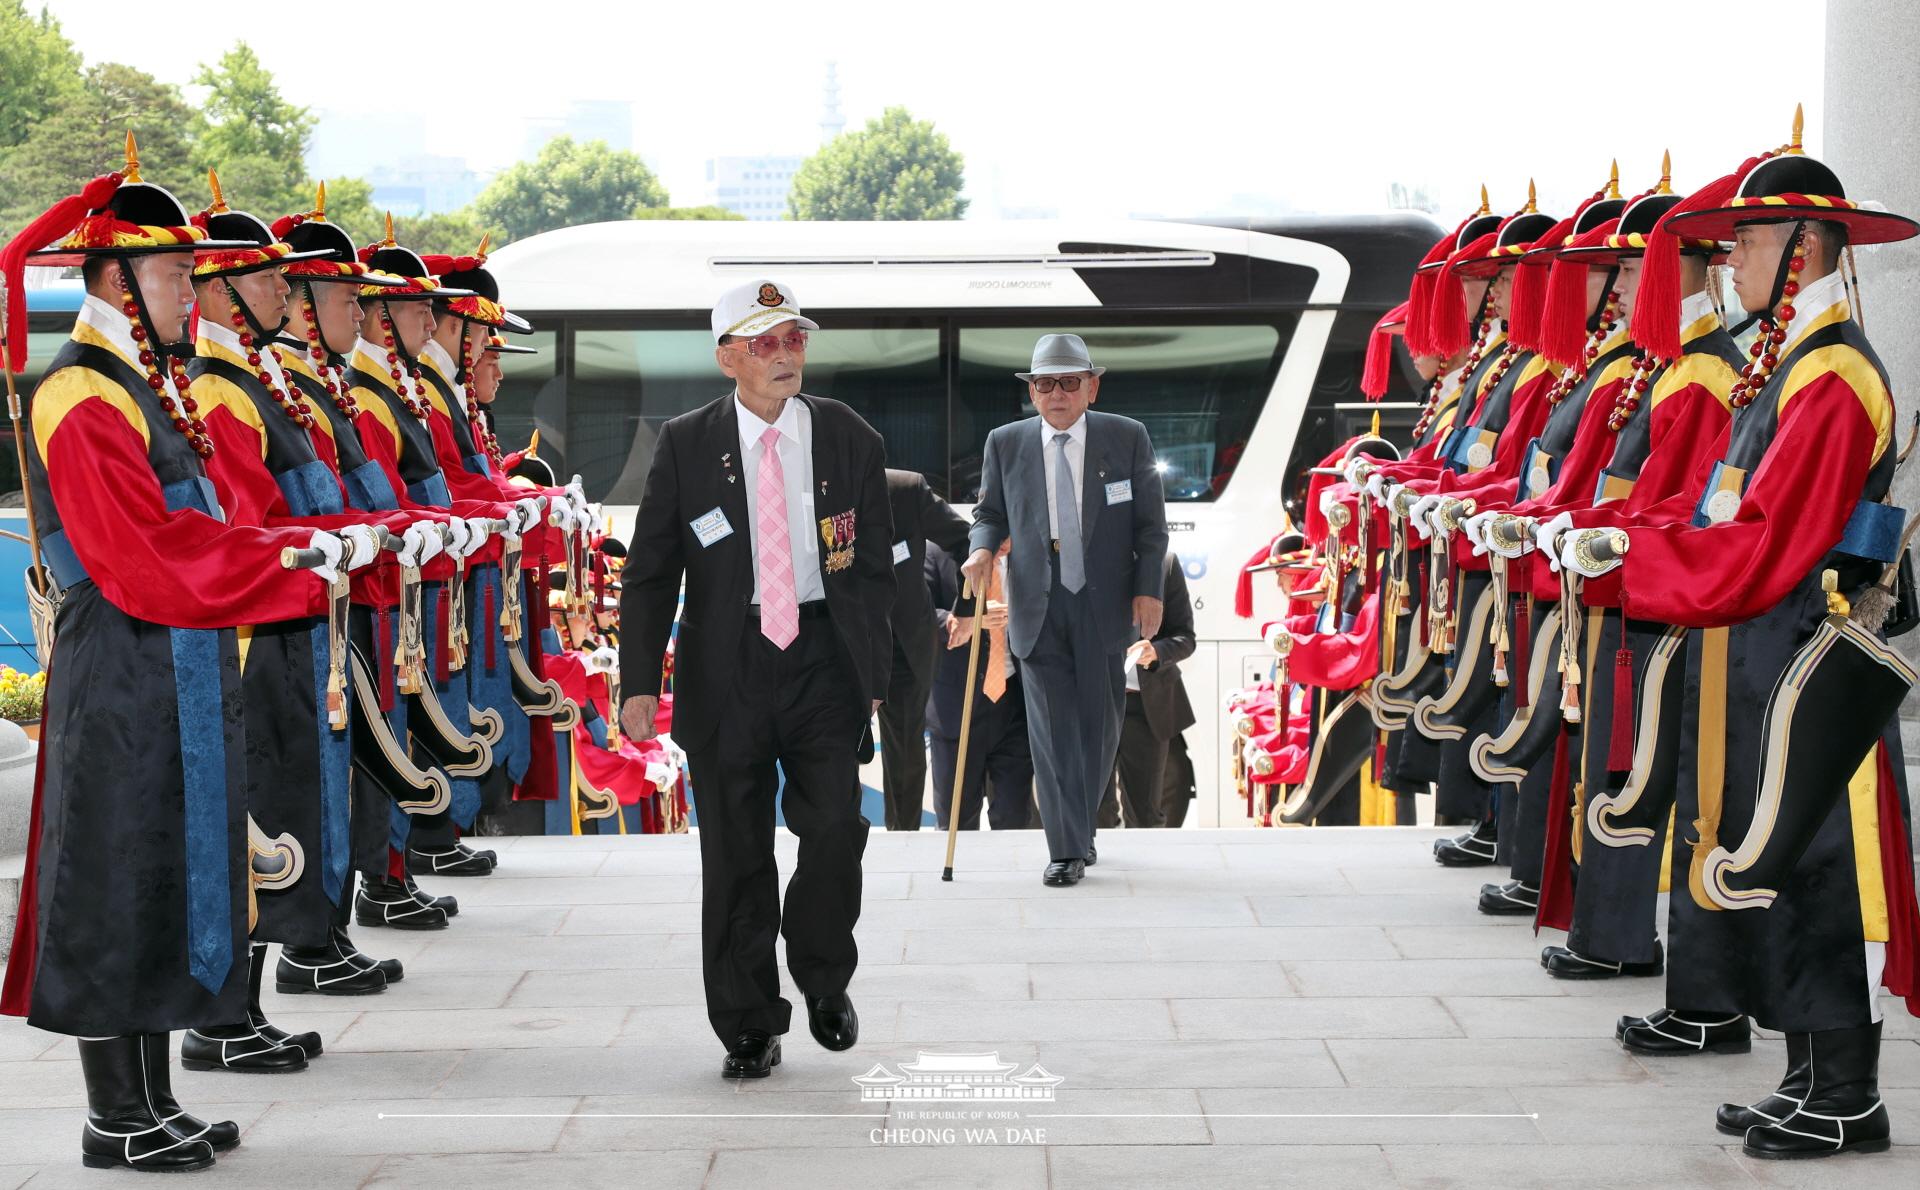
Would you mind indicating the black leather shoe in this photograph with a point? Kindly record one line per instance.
(1475, 849)
(1843, 1112)
(1622, 1024)
(125, 1125)
(1512, 899)
(342, 944)
(453, 861)
(1093, 855)
(240, 1048)
(1064, 872)
(754, 1055)
(488, 854)
(1564, 962)
(385, 902)
(1671, 1032)
(1735, 1118)
(833, 1021)
(325, 970)
(446, 905)
(307, 1043)
(157, 1055)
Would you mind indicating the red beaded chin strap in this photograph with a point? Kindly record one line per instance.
(1773, 331)
(1633, 392)
(295, 407)
(323, 369)
(1432, 408)
(416, 401)
(482, 436)
(182, 411)
(1609, 319)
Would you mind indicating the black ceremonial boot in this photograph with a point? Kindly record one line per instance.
(446, 905)
(1734, 1119)
(307, 1043)
(1472, 850)
(123, 1128)
(384, 901)
(1513, 898)
(341, 944)
(452, 861)
(486, 853)
(156, 1052)
(240, 1048)
(324, 969)
(1843, 1111)
(1564, 962)
(1677, 1033)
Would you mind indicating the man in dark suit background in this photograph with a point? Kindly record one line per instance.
(1157, 711)
(773, 506)
(919, 517)
(1077, 493)
(998, 753)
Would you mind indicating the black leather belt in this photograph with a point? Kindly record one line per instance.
(813, 609)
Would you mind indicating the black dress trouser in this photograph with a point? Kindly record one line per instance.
(801, 708)
(903, 742)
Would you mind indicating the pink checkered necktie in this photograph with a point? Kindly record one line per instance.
(779, 606)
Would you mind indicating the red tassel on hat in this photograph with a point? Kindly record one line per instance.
(1563, 325)
(1620, 744)
(1522, 640)
(1527, 300)
(60, 219)
(1420, 294)
(1655, 321)
(1377, 374)
(1447, 324)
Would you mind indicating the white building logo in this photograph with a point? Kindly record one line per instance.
(948, 1078)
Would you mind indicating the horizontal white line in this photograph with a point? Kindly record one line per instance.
(1189, 1115)
(615, 1115)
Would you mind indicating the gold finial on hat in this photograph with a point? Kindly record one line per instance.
(1375, 431)
(1799, 128)
(219, 204)
(480, 253)
(533, 445)
(389, 242)
(1666, 173)
(132, 171)
(1485, 207)
(320, 202)
(1613, 180)
(1530, 208)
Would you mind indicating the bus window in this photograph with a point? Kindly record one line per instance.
(625, 385)
(892, 375)
(1197, 388)
(530, 397)
(1337, 410)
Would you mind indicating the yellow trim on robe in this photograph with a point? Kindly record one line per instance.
(1858, 374)
(1711, 767)
(1703, 368)
(213, 392)
(244, 634)
(1863, 814)
(67, 388)
(1534, 367)
(1666, 856)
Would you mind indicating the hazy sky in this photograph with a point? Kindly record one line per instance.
(1088, 109)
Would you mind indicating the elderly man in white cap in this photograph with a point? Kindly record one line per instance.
(772, 505)
(1077, 493)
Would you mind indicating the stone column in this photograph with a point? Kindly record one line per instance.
(1869, 125)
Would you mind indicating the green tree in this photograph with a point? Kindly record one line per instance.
(254, 137)
(455, 233)
(86, 136)
(39, 70)
(685, 213)
(896, 168)
(569, 183)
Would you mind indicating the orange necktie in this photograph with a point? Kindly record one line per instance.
(996, 683)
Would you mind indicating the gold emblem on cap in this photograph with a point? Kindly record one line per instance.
(770, 295)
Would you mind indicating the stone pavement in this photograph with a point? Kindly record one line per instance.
(1199, 995)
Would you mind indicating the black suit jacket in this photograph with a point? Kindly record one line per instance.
(919, 516)
(1163, 694)
(697, 468)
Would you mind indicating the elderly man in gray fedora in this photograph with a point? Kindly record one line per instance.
(1078, 495)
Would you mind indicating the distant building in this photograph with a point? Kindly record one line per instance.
(609, 120)
(752, 187)
(832, 123)
(352, 144)
(424, 184)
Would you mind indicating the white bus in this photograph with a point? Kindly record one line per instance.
(1239, 347)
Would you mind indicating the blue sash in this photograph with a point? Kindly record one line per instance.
(369, 489)
(431, 490)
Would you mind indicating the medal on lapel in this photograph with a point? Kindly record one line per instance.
(836, 534)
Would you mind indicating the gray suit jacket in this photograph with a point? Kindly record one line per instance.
(1125, 543)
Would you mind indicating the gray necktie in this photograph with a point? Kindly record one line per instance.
(1073, 566)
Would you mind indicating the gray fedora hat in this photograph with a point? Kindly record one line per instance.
(1056, 355)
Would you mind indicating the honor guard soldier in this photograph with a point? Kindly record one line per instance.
(135, 903)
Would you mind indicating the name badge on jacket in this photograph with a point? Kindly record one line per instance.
(711, 527)
(900, 552)
(1121, 492)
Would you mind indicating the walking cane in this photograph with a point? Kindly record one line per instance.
(955, 802)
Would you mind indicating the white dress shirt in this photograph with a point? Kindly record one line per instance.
(1076, 467)
(796, 464)
(442, 360)
(114, 327)
(229, 338)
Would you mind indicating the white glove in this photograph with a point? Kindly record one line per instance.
(576, 495)
(1511, 552)
(1474, 527)
(1571, 554)
(363, 545)
(528, 511)
(477, 533)
(1377, 487)
(605, 660)
(1422, 509)
(334, 549)
(457, 546)
(1546, 537)
(1356, 470)
(596, 521)
(560, 516)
